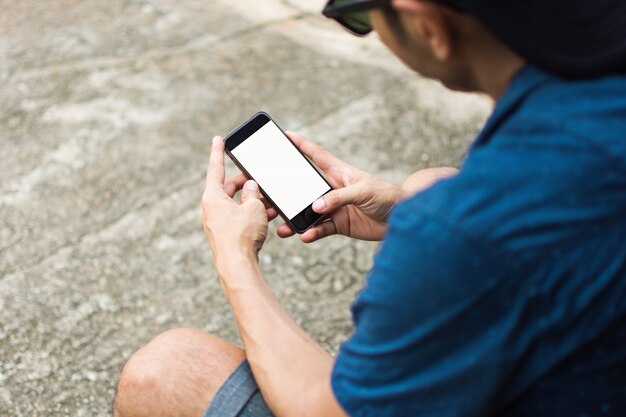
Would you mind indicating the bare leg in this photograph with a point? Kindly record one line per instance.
(176, 374)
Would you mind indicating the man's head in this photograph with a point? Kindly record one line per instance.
(442, 43)
(463, 41)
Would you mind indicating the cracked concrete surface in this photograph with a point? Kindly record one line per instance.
(106, 117)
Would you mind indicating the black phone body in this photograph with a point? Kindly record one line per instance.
(286, 178)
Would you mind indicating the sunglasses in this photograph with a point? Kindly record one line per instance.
(353, 14)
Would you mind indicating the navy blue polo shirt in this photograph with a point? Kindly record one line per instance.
(502, 291)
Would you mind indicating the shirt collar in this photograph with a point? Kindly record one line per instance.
(523, 84)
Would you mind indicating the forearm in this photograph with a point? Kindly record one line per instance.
(291, 369)
(425, 178)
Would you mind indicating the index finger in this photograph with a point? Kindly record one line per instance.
(320, 156)
(215, 172)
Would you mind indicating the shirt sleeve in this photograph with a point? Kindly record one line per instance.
(432, 326)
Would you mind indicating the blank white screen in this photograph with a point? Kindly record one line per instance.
(283, 173)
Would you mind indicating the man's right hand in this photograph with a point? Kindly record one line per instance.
(359, 205)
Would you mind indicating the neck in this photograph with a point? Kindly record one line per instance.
(493, 80)
(493, 67)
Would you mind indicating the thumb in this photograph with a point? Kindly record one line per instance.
(352, 194)
(250, 191)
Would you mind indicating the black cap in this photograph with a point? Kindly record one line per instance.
(573, 39)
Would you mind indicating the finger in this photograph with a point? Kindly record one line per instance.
(320, 231)
(215, 172)
(335, 199)
(284, 231)
(250, 192)
(271, 213)
(234, 184)
(266, 203)
(320, 156)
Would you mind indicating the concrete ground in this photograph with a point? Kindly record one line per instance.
(106, 116)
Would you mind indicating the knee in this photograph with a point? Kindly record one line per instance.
(177, 373)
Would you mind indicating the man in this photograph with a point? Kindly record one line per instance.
(497, 291)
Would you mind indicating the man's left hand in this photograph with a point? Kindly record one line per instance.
(232, 228)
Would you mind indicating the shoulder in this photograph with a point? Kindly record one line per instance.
(553, 169)
(586, 115)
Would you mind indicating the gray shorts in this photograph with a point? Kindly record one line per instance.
(239, 396)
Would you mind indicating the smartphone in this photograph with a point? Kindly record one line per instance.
(286, 178)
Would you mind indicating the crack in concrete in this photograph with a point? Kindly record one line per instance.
(329, 113)
(195, 46)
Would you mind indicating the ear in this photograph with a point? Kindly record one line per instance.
(433, 24)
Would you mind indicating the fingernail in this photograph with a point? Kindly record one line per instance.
(216, 140)
(319, 204)
(251, 185)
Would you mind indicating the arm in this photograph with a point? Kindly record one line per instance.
(291, 369)
(433, 343)
(426, 178)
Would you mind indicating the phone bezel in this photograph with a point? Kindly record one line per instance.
(307, 218)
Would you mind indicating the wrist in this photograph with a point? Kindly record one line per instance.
(237, 266)
(232, 257)
(227, 250)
